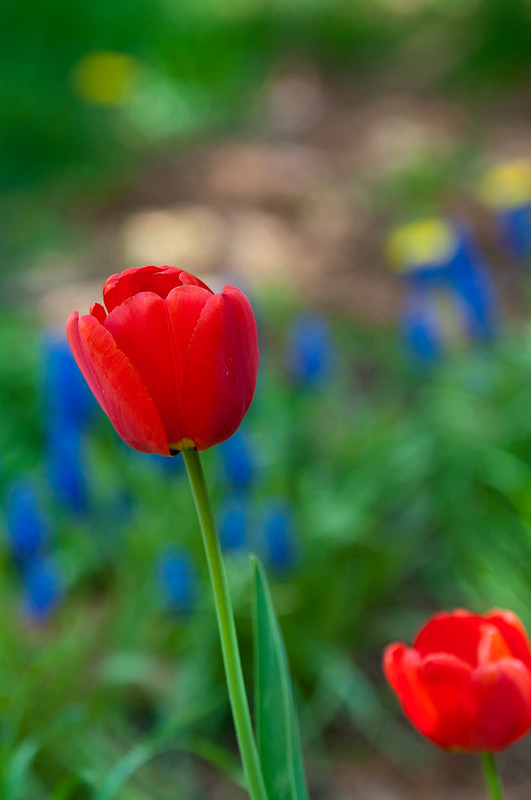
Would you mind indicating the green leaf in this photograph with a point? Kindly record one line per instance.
(159, 744)
(279, 746)
(19, 766)
(67, 787)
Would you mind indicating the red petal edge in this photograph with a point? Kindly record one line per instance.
(160, 280)
(116, 385)
(221, 368)
(514, 633)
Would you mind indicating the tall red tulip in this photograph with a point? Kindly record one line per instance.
(172, 364)
(466, 682)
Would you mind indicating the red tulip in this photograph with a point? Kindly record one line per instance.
(172, 364)
(466, 682)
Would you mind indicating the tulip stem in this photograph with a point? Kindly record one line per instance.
(227, 629)
(492, 776)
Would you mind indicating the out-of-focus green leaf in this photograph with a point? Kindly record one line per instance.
(277, 728)
(157, 745)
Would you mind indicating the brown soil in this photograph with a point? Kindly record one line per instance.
(295, 202)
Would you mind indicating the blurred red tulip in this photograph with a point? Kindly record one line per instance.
(466, 682)
(172, 364)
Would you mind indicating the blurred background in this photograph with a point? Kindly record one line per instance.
(362, 171)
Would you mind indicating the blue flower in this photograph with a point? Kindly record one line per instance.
(279, 542)
(118, 511)
(169, 466)
(234, 524)
(42, 589)
(421, 250)
(471, 281)
(311, 350)
(506, 189)
(514, 225)
(65, 468)
(178, 580)
(421, 330)
(26, 523)
(162, 465)
(238, 460)
(450, 297)
(69, 401)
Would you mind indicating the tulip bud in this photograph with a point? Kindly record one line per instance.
(172, 364)
(466, 682)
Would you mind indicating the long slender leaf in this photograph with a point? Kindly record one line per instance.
(67, 787)
(22, 758)
(160, 744)
(277, 728)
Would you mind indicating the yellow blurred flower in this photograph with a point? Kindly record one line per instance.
(508, 185)
(105, 78)
(420, 244)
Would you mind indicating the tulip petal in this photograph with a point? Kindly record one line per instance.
(431, 692)
(503, 692)
(161, 280)
(98, 311)
(220, 371)
(401, 665)
(446, 680)
(457, 633)
(392, 663)
(459, 704)
(116, 385)
(187, 279)
(155, 334)
(514, 634)
(492, 646)
(122, 285)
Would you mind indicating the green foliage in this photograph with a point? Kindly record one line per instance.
(201, 69)
(20, 433)
(410, 493)
(277, 725)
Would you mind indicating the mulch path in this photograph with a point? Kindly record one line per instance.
(293, 203)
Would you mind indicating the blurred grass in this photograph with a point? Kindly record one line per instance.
(410, 494)
(201, 69)
(410, 491)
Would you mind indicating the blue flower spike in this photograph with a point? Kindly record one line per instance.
(66, 470)
(239, 461)
(279, 540)
(449, 299)
(234, 524)
(177, 580)
(68, 408)
(26, 524)
(506, 190)
(68, 400)
(43, 590)
(311, 352)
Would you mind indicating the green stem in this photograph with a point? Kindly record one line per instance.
(492, 776)
(227, 629)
